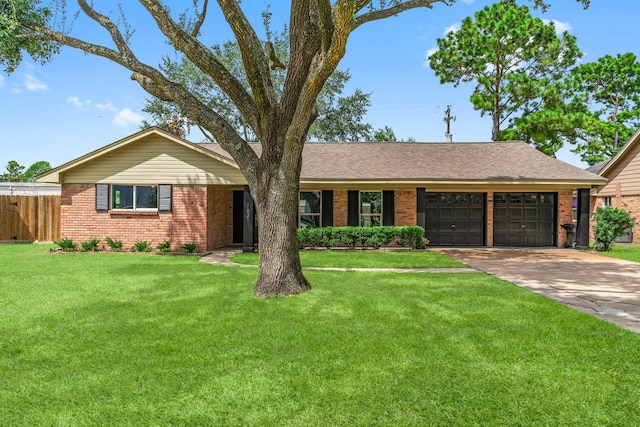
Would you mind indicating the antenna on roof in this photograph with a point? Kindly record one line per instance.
(448, 119)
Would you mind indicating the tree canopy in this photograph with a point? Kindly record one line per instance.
(511, 56)
(318, 35)
(16, 173)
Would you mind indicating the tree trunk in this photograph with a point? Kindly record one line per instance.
(277, 209)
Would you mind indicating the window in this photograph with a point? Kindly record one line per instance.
(370, 208)
(134, 197)
(606, 201)
(309, 209)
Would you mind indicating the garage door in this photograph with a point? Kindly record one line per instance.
(524, 219)
(455, 219)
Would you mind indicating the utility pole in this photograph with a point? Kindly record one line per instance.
(447, 119)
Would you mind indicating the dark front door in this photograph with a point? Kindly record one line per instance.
(524, 219)
(238, 198)
(455, 219)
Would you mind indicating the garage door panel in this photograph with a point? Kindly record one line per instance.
(455, 219)
(524, 219)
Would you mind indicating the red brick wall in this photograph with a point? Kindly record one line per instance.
(405, 205)
(565, 215)
(340, 208)
(220, 218)
(185, 224)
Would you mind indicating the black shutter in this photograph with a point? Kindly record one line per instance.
(327, 208)
(102, 197)
(388, 209)
(353, 210)
(164, 197)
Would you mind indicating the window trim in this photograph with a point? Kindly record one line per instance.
(380, 215)
(133, 208)
(314, 214)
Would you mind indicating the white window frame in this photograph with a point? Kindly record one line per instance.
(134, 191)
(314, 214)
(368, 215)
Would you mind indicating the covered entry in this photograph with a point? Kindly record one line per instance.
(455, 219)
(524, 219)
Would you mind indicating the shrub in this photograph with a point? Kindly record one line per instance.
(66, 245)
(366, 237)
(611, 223)
(90, 245)
(115, 245)
(164, 246)
(189, 248)
(142, 246)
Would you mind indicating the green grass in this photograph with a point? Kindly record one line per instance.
(364, 259)
(628, 252)
(136, 340)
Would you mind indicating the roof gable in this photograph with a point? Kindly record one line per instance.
(144, 157)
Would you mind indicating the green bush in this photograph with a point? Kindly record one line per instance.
(142, 246)
(90, 245)
(66, 245)
(164, 246)
(365, 237)
(189, 248)
(611, 223)
(115, 245)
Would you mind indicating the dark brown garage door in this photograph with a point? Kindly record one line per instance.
(524, 219)
(455, 219)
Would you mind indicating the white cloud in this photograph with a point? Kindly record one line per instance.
(126, 117)
(429, 53)
(78, 103)
(108, 106)
(452, 28)
(561, 27)
(468, 1)
(33, 84)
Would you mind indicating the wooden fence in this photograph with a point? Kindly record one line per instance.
(29, 218)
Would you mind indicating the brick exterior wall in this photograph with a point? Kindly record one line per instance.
(186, 223)
(340, 208)
(220, 218)
(406, 207)
(628, 203)
(565, 215)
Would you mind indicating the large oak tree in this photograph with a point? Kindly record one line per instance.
(318, 35)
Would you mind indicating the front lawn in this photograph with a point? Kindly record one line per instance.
(364, 259)
(628, 252)
(136, 340)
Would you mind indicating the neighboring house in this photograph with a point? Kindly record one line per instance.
(622, 189)
(155, 186)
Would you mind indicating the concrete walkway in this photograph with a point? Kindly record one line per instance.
(604, 287)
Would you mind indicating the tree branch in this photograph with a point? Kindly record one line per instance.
(378, 14)
(204, 59)
(200, 21)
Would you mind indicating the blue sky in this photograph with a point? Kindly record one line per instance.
(78, 103)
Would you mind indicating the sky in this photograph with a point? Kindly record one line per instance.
(78, 103)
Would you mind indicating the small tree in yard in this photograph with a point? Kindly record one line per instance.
(318, 34)
(611, 223)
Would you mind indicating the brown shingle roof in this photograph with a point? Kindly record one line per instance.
(401, 161)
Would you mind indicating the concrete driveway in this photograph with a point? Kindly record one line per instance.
(603, 287)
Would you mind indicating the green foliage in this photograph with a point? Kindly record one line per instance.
(510, 55)
(90, 245)
(606, 96)
(20, 30)
(189, 248)
(66, 244)
(115, 245)
(15, 171)
(164, 246)
(611, 223)
(366, 237)
(142, 246)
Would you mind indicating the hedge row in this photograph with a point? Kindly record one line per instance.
(365, 237)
